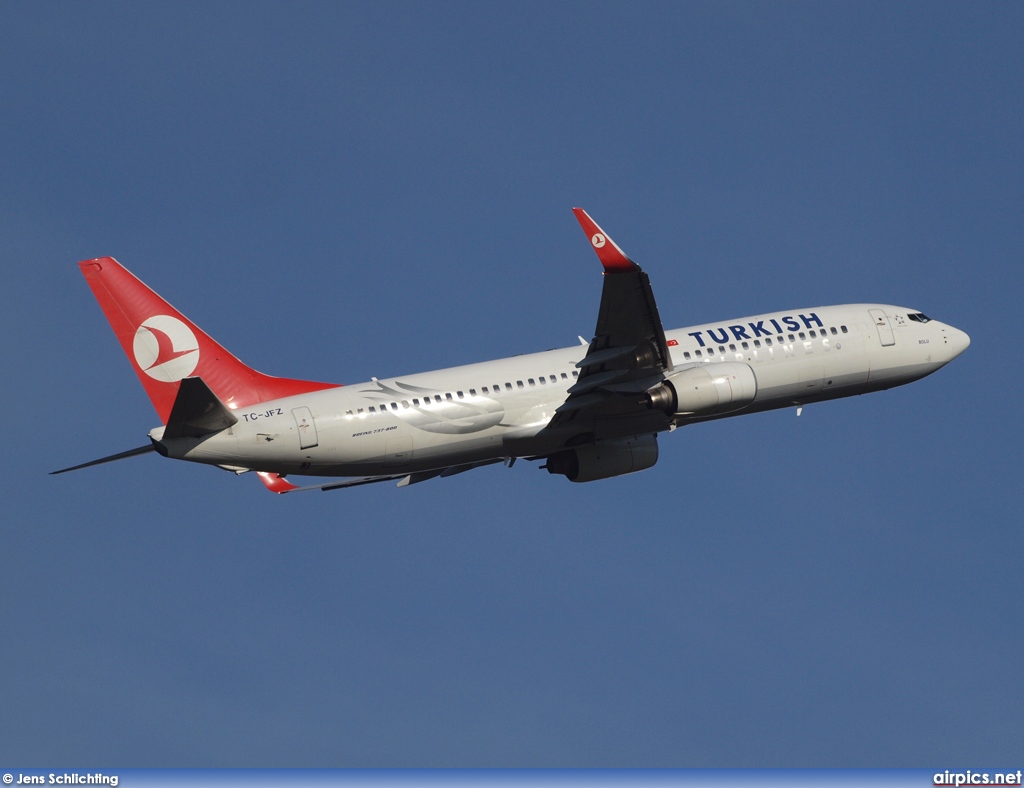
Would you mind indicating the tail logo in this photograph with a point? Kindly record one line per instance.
(598, 240)
(166, 349)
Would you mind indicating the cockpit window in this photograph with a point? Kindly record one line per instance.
(920, 317)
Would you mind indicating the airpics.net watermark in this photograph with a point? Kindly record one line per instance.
(976, 778)
(96, 778)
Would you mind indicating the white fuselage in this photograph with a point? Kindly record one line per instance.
(498, 409)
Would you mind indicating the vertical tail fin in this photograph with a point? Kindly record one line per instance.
(164, 346)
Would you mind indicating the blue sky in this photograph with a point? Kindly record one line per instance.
(337, 191)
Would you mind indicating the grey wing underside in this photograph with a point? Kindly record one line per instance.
(627, 356)
(628, 353)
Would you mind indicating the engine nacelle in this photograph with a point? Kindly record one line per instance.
(706, 390)
(605, 459)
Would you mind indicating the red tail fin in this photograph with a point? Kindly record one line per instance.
(164, 346)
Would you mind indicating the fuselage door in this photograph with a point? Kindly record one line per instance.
(307, 428)
(885, 334)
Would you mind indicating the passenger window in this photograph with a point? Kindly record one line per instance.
(532, 382)
(483, 390)
(698, 353)
(833, 330)
(460, 395)
(732, 348)
(415, 402)
(813, 335)
(564, 376)
(542, 380)
(553, 378)
(373, 409)
(508, 386)
(746, 346)
(405, 403)
(803, 335)
(686, 355)
(519, 384)
(394, 406)
(575, 373)
(721, 350)
(348, 413)
(768, 341)
(472, 392)
(792, 338)
(448, 396)
(843, 329)
(757, 343)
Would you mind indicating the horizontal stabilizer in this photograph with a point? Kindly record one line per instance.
(120, 456)
(197, 412)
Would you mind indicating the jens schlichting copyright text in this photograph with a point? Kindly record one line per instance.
(62, 779)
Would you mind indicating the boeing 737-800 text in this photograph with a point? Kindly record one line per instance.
(591, 412)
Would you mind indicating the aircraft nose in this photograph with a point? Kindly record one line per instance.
(958, 341)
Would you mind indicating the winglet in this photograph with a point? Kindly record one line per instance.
(275, 483)
(608, 252)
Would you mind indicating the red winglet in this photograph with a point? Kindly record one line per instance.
(608, 252)
(275, 483)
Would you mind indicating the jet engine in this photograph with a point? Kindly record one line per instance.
(705, 390)
(605, 459)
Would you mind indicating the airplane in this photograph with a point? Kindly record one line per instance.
(590, 412)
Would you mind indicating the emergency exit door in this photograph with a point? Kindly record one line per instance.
(885, 334)
(306, 426)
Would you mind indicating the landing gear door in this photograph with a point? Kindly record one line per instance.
(885, 334)
(307, 427)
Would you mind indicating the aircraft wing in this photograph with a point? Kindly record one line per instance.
(278, 484)
(628, 354)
